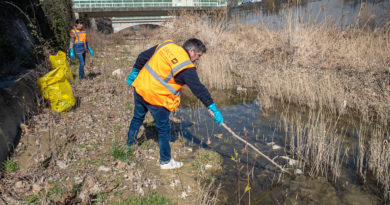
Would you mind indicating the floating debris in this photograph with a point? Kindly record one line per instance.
(184, 195)
(275, 146)
(175, 183)
(218, 136)
(290, 161)
(270, 143)
(240, 88)
(298, 171)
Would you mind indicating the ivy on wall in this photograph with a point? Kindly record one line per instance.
(60, 18)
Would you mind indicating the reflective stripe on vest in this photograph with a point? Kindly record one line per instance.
(80, 41)
(165, 81)
(155, 82)
(75, 30)
(163, 44)
(159, 79)
(177, 68)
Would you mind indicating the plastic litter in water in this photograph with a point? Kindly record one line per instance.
(275, 146)
(270, 143)
(298, 171)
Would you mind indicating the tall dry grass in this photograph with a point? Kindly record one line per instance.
(317, 143)
(315, 65)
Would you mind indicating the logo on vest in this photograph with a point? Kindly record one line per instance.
(174, 61)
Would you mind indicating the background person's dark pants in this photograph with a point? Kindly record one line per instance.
(161, 117)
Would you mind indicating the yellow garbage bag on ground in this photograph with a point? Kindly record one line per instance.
(54, 86)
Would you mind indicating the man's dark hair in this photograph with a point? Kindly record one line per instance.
(195, 44)
(78, 21)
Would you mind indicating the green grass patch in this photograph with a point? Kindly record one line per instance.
(119, 178)
(227, 140)
(33, 199)
(150, 125)
(10, 166)
(76, 188)
(117, 192)
(54, 190)
(129, 105)
(204, 158)
(148, 144)
(151, 199)
(101, 197)
(99, 162)
(122, 152)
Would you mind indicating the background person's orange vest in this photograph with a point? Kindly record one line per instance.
(80, 40)
(155, 82)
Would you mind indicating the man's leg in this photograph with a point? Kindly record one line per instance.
(161, 117)
(81, 58)
(138, 118)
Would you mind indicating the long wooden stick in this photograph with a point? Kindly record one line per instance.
(251, 146)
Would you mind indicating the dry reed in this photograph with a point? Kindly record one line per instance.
(315, 65)
(317, 143)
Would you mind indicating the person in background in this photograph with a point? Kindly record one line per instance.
(78, 46)
(157, 77)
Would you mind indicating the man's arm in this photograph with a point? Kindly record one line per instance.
(144, 57)
(191, 79)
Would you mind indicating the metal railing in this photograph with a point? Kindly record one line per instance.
(145, 3)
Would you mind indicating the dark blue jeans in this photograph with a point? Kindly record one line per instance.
(161, 117)
(81, 58)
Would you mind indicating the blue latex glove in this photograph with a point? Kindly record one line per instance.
(90, 51)
(217, 115)
(133, 75)
(71, 53)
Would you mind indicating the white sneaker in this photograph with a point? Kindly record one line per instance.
(172, 164)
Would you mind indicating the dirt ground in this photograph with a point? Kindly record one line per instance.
(80, 156)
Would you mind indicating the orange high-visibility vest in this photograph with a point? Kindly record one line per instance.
(80, 40)
(155, 81)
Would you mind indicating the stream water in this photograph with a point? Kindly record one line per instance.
(341, 12)
(242, 111)
(264, 129)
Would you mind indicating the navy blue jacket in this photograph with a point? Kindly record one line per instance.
(188, 77)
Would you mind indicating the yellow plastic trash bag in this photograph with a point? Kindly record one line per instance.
(58, 61)
(54, 86)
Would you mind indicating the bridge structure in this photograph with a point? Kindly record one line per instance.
(127, 13)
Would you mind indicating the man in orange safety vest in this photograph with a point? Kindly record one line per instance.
(157, 77)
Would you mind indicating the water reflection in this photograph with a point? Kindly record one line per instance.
(268, 185)
(344, 13)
